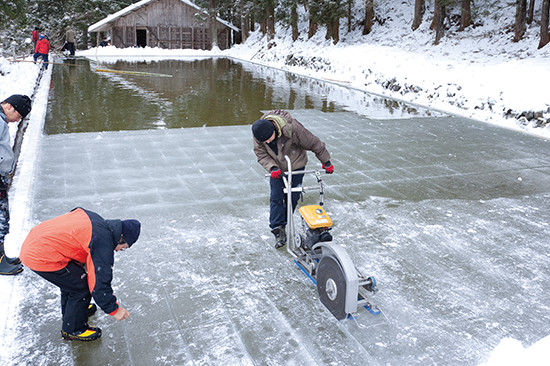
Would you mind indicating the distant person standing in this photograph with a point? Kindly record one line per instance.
(13, 109)
(69, 40)
(104, 42)
(75, 252)
(42, 49)
(35, 35)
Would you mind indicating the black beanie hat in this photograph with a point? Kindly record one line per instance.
(263, 129)
(21, 103)
(130, 231)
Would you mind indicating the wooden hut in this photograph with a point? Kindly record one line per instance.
(164, 24)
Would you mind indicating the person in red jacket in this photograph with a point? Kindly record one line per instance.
(35, 35)
(42, 49)
(75, 252)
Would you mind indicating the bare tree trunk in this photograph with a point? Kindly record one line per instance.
(313, 19)
(419, 8)
(212, 11)
(544, 35)
(294, 22)
(369, 16)
(465, 15)
(530, 11)
(245, 23)
(245, 30)
(312, 29)
(329, 31)
(350, 16)
(335, 31)
(519, 28)
(270, 22)
(438, 21)
(263, 26)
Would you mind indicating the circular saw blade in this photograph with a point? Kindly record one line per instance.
(331, 286)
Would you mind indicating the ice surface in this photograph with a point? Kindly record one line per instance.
(450, 215)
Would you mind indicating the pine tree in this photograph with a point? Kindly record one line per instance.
(13, 15)
(314, 17)
(330, 13)
(289, 17)
(13, 10)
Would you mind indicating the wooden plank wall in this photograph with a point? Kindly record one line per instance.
(170, 24)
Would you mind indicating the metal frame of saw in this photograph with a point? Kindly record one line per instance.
(357, 286)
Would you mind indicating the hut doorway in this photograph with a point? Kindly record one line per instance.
(141, 37)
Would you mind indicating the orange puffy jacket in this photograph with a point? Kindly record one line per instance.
(81, 236)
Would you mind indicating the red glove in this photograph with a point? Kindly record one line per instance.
(275, 174)
(328, 167)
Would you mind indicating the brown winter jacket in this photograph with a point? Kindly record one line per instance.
(293, 139)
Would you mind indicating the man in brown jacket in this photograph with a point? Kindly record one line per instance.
(278, 134)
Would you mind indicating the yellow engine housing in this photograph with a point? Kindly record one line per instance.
(315, 216)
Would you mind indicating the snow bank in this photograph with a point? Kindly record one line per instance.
(510, 352)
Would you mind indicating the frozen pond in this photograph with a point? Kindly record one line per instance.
(451, 216)
(110, 95)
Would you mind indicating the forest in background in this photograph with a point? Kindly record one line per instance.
(334, 17)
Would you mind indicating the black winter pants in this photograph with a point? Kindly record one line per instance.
(75, 295)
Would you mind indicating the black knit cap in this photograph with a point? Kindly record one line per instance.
(130, 231)
(263, 129)
(21, 103)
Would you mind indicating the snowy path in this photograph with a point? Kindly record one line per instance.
(450, 215)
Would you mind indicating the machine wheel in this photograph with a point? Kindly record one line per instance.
(331, 286)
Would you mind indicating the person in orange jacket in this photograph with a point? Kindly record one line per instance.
(75, 252)
(42, 49)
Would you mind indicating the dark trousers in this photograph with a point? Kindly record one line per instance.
(277, 200)
(69, 46)
(4, 210)
(75, 295)
(44, 57)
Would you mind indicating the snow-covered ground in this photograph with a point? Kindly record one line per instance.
(479, 74)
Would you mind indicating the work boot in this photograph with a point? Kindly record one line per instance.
(92, 308)
(90, 334)
(7, 268)
(280, 236)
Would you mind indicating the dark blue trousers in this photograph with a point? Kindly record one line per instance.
(75, 295)
(44, 58)
(277, 200)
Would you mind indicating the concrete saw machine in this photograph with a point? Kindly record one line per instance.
(342, 288)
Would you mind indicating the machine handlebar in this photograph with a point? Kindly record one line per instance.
(297, 172)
